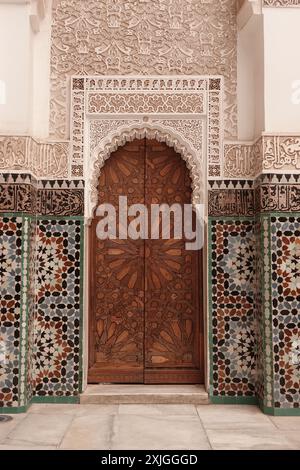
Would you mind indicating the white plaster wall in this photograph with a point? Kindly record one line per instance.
(25, 70)
(250, 87)
(282, 69)
(41, 47)
(15, 68)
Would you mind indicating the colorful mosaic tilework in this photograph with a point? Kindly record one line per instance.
(232, 254)
(31, 306)
(285, 253)
(58, 313)
(263, 313)
(10, 308)
(259, 311)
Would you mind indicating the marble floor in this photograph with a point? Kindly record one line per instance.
(157, 427)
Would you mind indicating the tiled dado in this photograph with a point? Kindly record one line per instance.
(254, 293)
(232, 335)
(278, 257)
(231, 291)
(41, 263)
(254, 267)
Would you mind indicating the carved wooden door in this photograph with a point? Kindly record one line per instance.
(145, 299)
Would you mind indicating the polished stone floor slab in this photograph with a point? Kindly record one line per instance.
(149, 426)
(241, 439)
(168, 432)
(39, 430)
(233, 417)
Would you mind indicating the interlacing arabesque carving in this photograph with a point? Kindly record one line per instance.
(182, 102)
(41, 159)
(149, 37)
(145, 103)
(139, 131)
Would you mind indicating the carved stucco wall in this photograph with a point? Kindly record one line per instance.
(148, 37)
(281, 3)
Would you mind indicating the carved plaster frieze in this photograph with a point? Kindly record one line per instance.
(242, 160)
(190, 131)
(150, 103)
(281, 153)
(231, 198)
(278, 193)
(24, 194)
(43, 160)
(181, 106)
(270, 153)
(149, 37)
(281, 3)
(230, 202)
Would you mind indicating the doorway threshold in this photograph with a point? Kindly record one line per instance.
(108, 394)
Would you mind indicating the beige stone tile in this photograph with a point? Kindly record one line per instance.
(170, 410)
(73, 410)
(16, 445)
(49, 408)
(158, 433)
(90, 432)
(233, 417)
(254, 439)
(288, 423)
(6, 428)
(86, 410)
(40, 429)
(293, 438)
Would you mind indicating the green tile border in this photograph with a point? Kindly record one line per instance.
(75, 400)
(209, 320)
(82, 297)
(233, 400)
(14, 410)
(279, 411)
(56, 400)
(266, 284)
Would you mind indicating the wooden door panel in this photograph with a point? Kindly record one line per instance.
(117, 279)
(172, 350)
(144, 295)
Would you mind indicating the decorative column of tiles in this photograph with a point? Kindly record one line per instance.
(31, 307)
(58, 291)
(279, 205)
(11, 245)
(263, 313)
(17, 203)
(231, 292)
(59, 299)
(40, 291)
